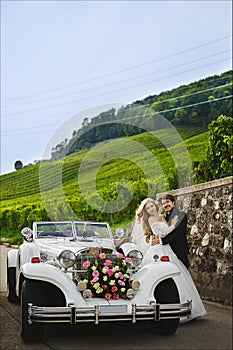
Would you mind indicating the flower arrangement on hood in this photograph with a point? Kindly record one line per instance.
(108, 279)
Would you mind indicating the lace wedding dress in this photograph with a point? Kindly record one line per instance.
(186, 287)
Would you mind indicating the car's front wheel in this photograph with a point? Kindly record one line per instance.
(30, 294)
(38, 293)
(167, 293)
(11, 284)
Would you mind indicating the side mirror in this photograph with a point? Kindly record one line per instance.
(27, 234)
(120, 232)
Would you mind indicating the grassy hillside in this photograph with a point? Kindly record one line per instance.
(21, 185)
(54, 191)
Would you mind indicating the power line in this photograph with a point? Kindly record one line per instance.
(123, 70)
(166, 110)
(145, 115)
(192, 94)
(153, 103)
(115, 83)
(110, 92)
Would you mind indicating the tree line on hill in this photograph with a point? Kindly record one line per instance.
(195, 104)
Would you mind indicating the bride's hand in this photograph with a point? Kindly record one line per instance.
(155, 240)
(174, 220)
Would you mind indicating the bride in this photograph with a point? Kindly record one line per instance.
(151, 223)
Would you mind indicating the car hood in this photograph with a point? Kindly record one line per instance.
(52, 247)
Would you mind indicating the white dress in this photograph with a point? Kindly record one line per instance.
(138, 238)
(186, 287)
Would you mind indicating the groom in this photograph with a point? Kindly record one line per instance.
(176, 238)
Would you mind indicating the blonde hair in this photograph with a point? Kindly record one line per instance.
(143, 216)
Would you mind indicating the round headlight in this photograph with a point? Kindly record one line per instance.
(67, 258)
(130, 293)
(81, 286)
(135, 284)
(136, 257)
(87, 293)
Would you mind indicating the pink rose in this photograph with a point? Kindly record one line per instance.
(95, 273)
(120, 256)
(86, 264)
(110, 272)
(128, 260)
(121, 276)
(107, 262)
(121, 283)
(94, 280)
(102, 256)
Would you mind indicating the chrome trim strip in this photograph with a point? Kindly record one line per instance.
(73, 315)
(97, 312)
(134, 311)
(157, 312)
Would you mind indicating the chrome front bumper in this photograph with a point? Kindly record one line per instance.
(111, 313)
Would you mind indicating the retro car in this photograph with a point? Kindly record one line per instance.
(71, 272)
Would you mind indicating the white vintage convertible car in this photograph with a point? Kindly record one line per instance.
(71, 272)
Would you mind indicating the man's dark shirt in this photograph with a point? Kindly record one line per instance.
(178, 237)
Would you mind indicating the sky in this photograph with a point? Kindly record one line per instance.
(63, 61)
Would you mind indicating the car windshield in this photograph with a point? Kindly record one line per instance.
(77, 229)
(54, 230)
(92, 230)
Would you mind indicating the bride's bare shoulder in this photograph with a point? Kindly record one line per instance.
(152, 220)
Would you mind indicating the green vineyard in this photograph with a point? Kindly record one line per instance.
(51, 190)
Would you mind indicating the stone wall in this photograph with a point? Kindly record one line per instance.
(209, 211)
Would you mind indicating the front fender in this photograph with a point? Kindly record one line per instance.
(150, 276)
(12, 256)
(51, 274)
(128, 247)
(27, 250)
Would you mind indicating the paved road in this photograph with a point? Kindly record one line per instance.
(212, 332)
